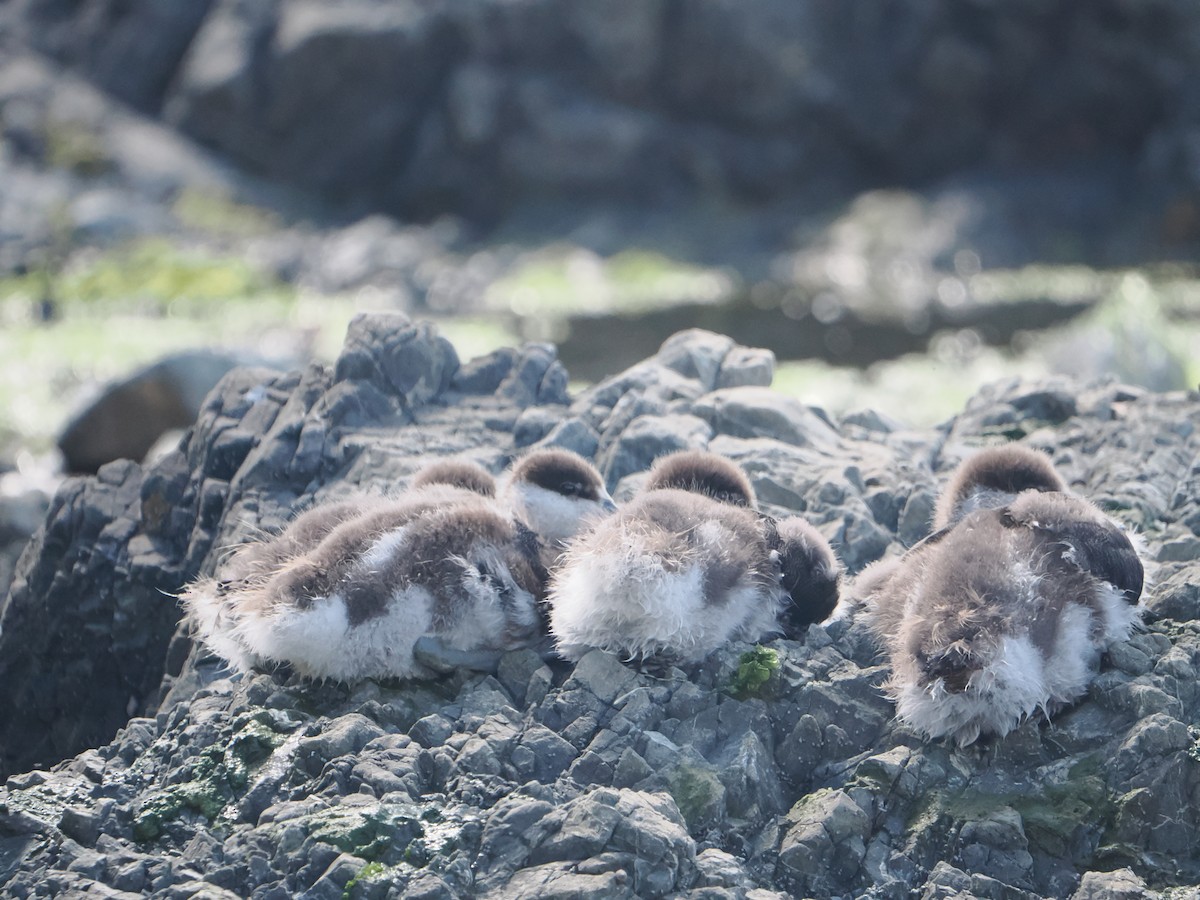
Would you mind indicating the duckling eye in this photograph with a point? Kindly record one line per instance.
(571, 488)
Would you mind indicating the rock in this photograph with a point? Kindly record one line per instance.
(141, 49)
(130, 415)
(750, 412)
(606, 778)
(746, 367)
(574, 435)
(464, 107)
(825, 826)
(1122, 884)
(648, 437)
(397, 357)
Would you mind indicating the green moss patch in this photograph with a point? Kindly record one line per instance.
(570, 280)
(1052, 818)
(220, 776)
(378, 833)
(754, 670)
(698, 793)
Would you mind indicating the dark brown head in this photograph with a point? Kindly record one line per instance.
(702, 472)
(460, 473)
(809, 574)
(556, 493)
(993, 477)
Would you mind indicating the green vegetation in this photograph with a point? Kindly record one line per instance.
(1144, 329)
(146, 277)
(377, 833)
(570, 280)
(219, 776)
(697, 792)
(755, 669)
(1051, 819)
(219, 215)
(372, 871)
(75, 146)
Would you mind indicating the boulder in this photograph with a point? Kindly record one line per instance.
(599, 778)
(130, 415)
(470, 105)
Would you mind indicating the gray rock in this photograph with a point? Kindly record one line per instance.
(602, 675)
(130, 415)
(543, 755)
(1121, 884)
(537, 377)
(696, 354)
(752, 412)
(344, 735)
(141, 48)
(746, 367)
(575, 435)
(648, 437)
(606, 778)
(534, 424)
(825, 842)
(516, 669)
(486, 373)
(397, 357)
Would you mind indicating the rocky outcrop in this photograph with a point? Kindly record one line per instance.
(86, 631)
(466, 106)
(761, 773)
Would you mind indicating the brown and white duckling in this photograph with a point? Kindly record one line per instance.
(993, 477)
(400, 560)
(467, 575)
(677, 574)
(457, 473)
(1007, 609)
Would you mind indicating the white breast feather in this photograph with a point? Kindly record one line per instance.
(998, 697)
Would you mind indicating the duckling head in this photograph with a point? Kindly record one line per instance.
(993, 477)
(703, 472)
(459, 473)
(557, 494)
(809, 574)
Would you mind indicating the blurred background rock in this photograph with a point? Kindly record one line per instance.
(901, 201)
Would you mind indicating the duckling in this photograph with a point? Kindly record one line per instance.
(1006, 609)
(809, 575)
(458, 473)
(992, 477)
(326, 559)
(208, 601)
(677, 574)
(467, 575)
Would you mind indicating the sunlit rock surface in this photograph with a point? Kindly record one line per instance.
(136, 766)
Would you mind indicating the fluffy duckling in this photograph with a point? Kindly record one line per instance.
(677, 574)
(1006, 609)
(331, 559)
(465, 574)
(809, 574)
(457, 473)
